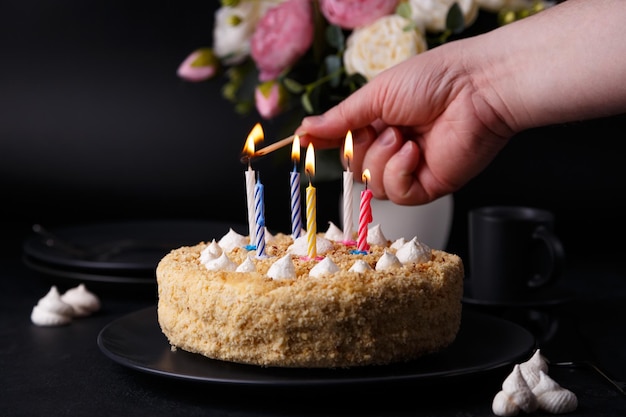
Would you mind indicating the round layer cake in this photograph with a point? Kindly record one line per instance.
(344, 308)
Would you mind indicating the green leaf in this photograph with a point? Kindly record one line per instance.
(454, 19)
(305, 99)
(335, 37)
(333, 66)
(293, 86)
(404, 10)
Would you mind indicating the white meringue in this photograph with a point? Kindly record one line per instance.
(553, 398)
(360, 266)
(82, 300)
(398, 243)
(232, 240)
(387, 261)
(531, 368)
(414, 252)
(300, 246)
(333, 233)
(283, 268)
(51, 310)
(325, 267)
(223, 263)
(375, 236)
(246, 266)
(516, 392)
(212, 251)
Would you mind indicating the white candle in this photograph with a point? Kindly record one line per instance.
(250, 174)
(255, 135)
(348, 181)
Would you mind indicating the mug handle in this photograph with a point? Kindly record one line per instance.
(556, 255)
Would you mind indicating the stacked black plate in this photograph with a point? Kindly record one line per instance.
(116, 252)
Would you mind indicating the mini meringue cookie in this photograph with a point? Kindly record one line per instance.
(414, 252)
(515, 396)
(232, 240)
(398, 243)
(82, 300)
(300, 246)
(212, 251)
(223, 263)
(246, 266)
(333, 233)
(503, 405)
(375, 236)
(283, 268)
(531, 368)
(360, 266)
(387, 261)
(51, 310)
(325, 267)
(553, 398)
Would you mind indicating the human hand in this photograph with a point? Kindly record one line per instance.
(423, 128)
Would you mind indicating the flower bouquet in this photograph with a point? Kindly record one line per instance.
(308, 55)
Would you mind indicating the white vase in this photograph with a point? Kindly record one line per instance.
(430, 223)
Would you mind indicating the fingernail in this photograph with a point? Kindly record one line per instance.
(387, 137)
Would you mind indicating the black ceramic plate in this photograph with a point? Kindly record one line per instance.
(544, 297)
(121, 248)
(140, 277)
(484, 343)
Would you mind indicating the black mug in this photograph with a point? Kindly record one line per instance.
(513, 252)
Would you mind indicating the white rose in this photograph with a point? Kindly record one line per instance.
(373, 48)
(231, 42)
(431, 14)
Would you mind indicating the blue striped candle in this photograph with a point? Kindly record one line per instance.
(259, 212)
(294, 181)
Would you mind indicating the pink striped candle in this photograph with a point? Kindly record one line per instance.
(365, 214)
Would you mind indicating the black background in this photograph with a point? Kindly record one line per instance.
(95, 125)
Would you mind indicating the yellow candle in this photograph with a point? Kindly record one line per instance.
(311, 203)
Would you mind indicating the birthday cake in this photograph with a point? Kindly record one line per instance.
(395, 302)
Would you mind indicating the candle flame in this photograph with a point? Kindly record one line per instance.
(255, 136)
(309, 162)
(366, 176)
(295, 149)
(348, 148)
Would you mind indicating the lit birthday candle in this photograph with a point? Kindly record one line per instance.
(311, 202)
(294, 180)
(365, 214)
(259, 216)
(347, 192)
(255, 135)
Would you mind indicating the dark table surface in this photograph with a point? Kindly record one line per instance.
(61, 371)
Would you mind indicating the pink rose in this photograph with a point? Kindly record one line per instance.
(349, 14)
(282, 36)
(270, 98)
(200, 65)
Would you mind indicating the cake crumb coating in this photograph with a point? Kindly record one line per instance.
(341, 320)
